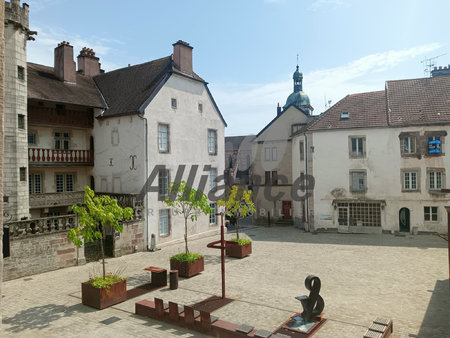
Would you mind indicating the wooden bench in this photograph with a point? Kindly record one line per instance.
(159, 275)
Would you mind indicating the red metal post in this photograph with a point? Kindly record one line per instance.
(222, 254)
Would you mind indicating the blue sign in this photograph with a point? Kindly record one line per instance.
(434, 147)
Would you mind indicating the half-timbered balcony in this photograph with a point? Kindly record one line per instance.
(56, 199)
(50, 157)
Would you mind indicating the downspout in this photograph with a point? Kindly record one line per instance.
(306, 175)
(146, 178)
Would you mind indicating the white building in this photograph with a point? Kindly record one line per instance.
(273, 177)
(379, 159)
(160, 113)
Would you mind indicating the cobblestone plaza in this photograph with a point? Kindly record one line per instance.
(363, 277)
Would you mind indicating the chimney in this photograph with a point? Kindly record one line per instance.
(182, 56)
(278, 109)
(64, 64)
(88, 63)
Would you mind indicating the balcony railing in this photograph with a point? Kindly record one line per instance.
(47, 225)
(55, 156)
(56, 199)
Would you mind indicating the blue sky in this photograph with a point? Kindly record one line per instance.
(247, 49)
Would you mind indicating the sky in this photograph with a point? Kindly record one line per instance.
(247, 49)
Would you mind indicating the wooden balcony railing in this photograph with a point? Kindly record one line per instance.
(55, 156)
(56, 199)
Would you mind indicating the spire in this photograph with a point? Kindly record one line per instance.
(298, 79)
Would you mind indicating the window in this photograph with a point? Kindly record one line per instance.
(267, 154)
(267, 177)
(274, 178)
(410, 180)
(212, 215)
(23, 174)
(345, 115)
(430, 213)
(163, 181)
(32, 138)
(212, 178)
(20, 73)
(64, 182)
(434, 145)
(62, 140)
(212, 142)
(359, 213)
(21, 121)
(302, 151)
(357, 146)
(164, 222)
(358, 181)
(35, 183)
(115, 137)
(409, 145)
(435, 180)
(174, 103)
(163, 138)
(274, 154)
(200, 108)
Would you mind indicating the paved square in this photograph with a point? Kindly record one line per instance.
(363, 277)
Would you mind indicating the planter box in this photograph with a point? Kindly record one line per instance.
(187, 269)
(239, 251)
(102, 298)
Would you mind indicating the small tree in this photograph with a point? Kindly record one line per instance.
(94, 216)
(238, 203)
(187, 202)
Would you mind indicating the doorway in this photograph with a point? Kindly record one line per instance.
(403, 219)
(287, 209)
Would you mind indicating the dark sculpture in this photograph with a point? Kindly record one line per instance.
(313, 304)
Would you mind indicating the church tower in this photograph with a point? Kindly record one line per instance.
(298, 98)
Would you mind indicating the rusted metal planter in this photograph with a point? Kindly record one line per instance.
(239, 251)
(102, 298)
(188, 269)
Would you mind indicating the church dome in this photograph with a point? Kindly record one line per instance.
(298, 99)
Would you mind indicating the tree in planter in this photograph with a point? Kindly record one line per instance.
(93, 217)
(189, 203)
(238, 203)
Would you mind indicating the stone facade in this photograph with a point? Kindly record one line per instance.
(15, 168)
(131, 240)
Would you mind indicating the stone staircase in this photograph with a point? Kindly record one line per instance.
(284, 222)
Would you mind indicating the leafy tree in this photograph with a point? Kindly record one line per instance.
(187, 202)
(97, 213)
(238, 203)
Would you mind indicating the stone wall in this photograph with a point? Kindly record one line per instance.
(39, 253)
(130, 240)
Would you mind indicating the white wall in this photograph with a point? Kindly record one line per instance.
(188, 144)
(383, 163)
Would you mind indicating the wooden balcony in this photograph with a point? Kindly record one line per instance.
(50, 157)
(60, 117)
(56, 199)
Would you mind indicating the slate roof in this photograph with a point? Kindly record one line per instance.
(44, 85)
(128, 90)
(365, 110)
(418, 101)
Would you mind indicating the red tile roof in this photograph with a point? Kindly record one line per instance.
(418, 101)
(366, 110)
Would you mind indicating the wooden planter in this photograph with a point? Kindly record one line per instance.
(102, 298)
(188, 269)
(239, 251)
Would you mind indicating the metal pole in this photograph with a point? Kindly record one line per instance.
(222, 253)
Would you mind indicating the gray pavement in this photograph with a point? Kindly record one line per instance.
(363, 277)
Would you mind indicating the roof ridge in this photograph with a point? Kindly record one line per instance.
(133, 66)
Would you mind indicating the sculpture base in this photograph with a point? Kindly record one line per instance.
(296, 327)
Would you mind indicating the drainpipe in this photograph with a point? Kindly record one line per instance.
(141, 115)
(306, 175)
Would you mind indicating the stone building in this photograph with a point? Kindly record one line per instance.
(379, 159)
(161, 123)
(273, 177)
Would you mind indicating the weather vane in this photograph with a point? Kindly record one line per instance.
(297, 59)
